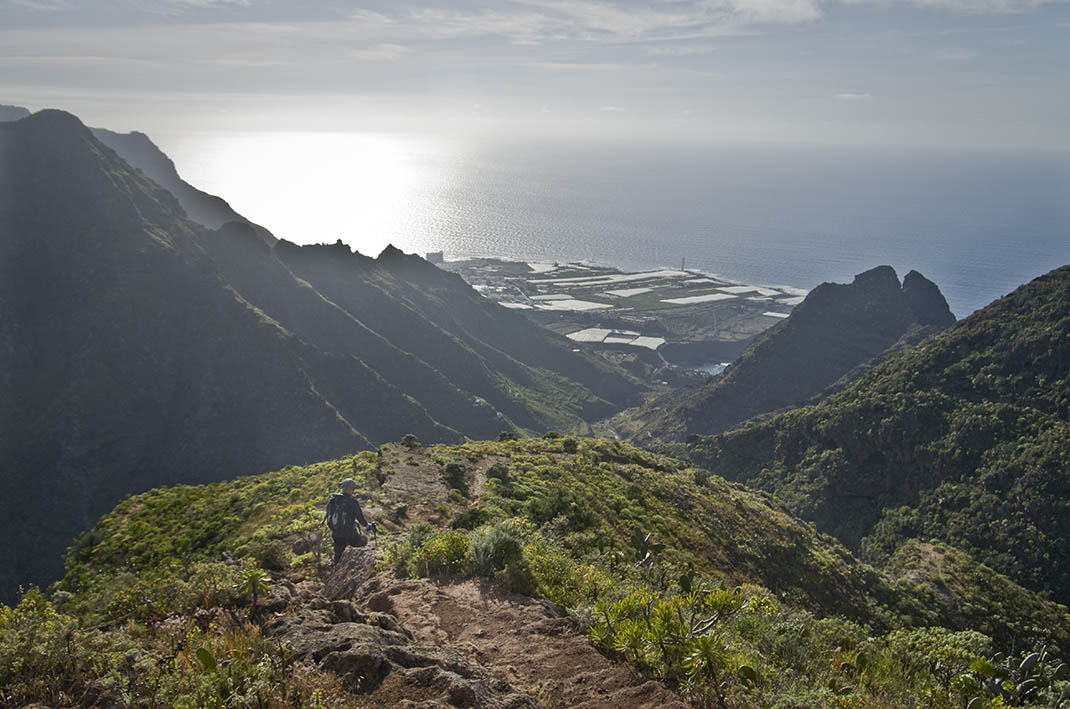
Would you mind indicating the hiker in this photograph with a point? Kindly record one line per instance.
(343, 513)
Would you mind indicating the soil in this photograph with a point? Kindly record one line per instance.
(525, 642)
(451, 642)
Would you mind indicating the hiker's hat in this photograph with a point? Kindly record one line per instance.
(348, 484)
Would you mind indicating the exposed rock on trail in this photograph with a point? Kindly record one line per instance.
(521, 640)
(414, 642)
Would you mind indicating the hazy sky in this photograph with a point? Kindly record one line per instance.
(884, 71)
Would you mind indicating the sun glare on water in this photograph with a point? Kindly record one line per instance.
(362, 188)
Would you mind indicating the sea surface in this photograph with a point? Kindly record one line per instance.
(979, 223)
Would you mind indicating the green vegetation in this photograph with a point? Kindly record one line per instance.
(962, 438)
(703, 584)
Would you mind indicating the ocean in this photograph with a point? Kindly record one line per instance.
(978, 223)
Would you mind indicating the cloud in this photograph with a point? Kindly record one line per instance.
(969, 7)
(854, 97)
(679, 50)
(42, 5)
(956, 55)
(381, 52)
(538, 22)
(206, 3)
(611, 109)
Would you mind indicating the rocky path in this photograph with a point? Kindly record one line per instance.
(525, 642)
(420, 643)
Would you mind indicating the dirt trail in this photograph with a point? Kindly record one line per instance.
(526, 643)
(412, 476)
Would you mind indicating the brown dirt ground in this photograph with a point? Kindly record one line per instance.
(524, 642)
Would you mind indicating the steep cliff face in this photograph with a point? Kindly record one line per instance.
(138, 348)
(834, 330)
(138, 151)
(926, 301)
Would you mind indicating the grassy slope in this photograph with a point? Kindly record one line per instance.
(833, 631)
(595, 497)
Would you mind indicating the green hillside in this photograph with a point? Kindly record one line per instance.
(729, 602)
(962, 438)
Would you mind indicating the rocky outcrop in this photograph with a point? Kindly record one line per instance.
(926, 301)
(355, 567)
(373, 655)
(454, 642)
(833, 333)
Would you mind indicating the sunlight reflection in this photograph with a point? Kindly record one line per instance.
(362, 188)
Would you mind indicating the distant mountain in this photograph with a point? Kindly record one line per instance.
(139, 348)
(962, 438)
(835, 330)
(142, 154)
(12, 113)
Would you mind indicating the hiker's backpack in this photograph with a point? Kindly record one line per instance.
(336, 513)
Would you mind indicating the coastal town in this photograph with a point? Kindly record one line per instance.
(686, 317)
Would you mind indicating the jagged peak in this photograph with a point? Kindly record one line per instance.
(390, 252)
(925, 299)
(878, 276)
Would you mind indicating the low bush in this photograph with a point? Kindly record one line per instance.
(498, 471)
(442, 552)
(493, 548)
(471, 519)
(454, 472)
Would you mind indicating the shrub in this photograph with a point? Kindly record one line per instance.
(401, 511)
(271, 554)
(398, 556)
(493, 548)
(570, 445)
(444, 552)
(498, 471)
(506, 436)
(518, 578)
(561, 502)
(454, 472)
(551, 435)
(471, 519)
(410, 441)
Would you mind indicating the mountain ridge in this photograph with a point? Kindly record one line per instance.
(837, 329)
(142, 346)
(138, 150)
